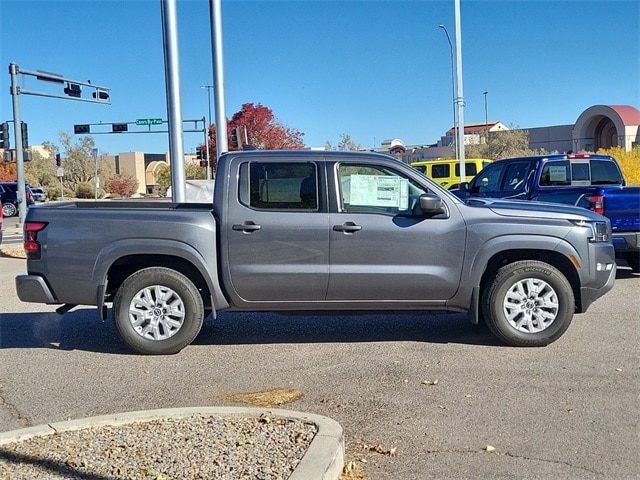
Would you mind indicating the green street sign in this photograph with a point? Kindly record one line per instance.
(149, 121)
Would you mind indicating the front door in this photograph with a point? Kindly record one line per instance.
(382, 247)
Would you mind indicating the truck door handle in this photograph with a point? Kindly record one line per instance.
(246, 227)
(347, 227)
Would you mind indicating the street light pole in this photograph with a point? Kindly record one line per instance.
(453, 89)
(486, 121)
(206, 135)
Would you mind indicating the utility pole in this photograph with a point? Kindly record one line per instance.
(174, 114)
(460, 99)
(206, 130)
(215, 10)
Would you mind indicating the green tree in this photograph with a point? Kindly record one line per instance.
(346, 143)
(78, 164)
(41, 170)
(163, 179)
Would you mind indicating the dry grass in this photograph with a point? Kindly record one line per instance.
(12, 253)
(267, 398)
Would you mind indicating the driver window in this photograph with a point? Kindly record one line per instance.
(376, 189)
(488, 180)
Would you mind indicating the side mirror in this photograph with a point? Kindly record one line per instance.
(431, 204)
(464, 187)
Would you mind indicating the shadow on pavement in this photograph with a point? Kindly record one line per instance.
(80, 329)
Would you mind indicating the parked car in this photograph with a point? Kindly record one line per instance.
(446, 171)
(9, 198)
(38, 194)
(0, 223)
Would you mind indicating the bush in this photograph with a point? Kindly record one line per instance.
(629, 162)
(123, 185)
(85, 190)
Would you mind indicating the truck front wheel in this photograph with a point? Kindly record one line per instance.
(528, 304)
(158, 311)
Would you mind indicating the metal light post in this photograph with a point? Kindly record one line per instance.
(453, 90)
(97, 181)
(206, 135)
(486, 120)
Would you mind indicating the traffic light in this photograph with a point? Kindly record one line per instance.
(234, 137)
(100, 95)
(119, 127)
(81, 129)
(201, 154)
(58, 160)
(4, 136)
(25, 135)
(73, 90)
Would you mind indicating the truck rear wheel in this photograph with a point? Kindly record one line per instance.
(528, 304)
(158, 311)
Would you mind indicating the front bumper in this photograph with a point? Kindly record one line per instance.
(602, 274)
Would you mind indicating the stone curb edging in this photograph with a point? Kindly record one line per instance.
(323, 460)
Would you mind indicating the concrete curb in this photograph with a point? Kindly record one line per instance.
(323, 460)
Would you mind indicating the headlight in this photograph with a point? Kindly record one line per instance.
(600, 231)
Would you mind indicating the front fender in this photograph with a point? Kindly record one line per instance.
(513, 246)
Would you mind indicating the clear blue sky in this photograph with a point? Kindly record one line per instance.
(375, 70)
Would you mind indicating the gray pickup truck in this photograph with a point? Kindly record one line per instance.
(309, 231)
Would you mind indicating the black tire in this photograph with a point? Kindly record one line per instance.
(633, 260)
(9, 209)
(528, 304)
(141, 311)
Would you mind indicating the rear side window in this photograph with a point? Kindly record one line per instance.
(470, 169)
(605, 173)
(440, 171)
(279, 186)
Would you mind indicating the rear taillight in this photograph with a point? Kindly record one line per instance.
(596, 203)
(31, 244)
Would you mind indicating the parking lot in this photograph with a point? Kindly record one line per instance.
(418, 396)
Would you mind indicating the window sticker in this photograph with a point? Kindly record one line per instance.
(557, 174)
(379, 191)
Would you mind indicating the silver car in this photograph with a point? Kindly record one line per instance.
(38, 194)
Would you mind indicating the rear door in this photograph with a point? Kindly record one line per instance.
(382, 247)
(276, 232)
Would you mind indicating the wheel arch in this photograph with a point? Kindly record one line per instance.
(508, 249)
(553, 258)
(120, 260)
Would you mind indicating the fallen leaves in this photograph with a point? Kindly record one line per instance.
(266, 398)
(12, 253)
